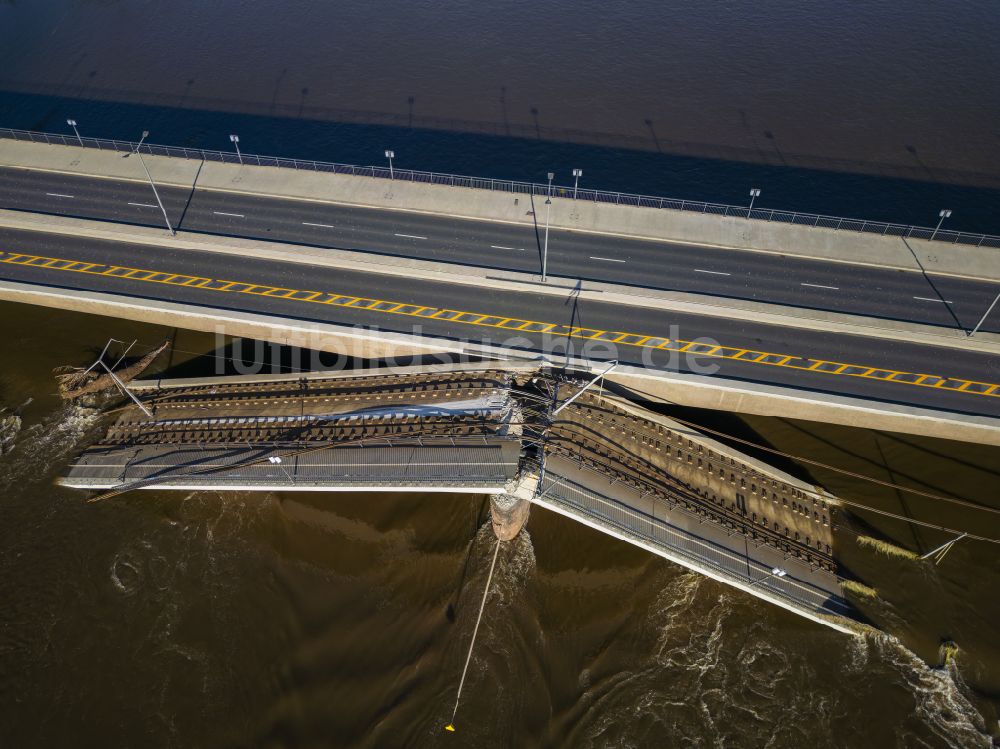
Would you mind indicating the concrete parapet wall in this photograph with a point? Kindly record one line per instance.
(608, 219)
(715, 393)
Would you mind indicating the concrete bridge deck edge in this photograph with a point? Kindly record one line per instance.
(697, 391)
(581, 517)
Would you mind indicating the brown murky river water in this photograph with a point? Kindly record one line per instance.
(332, 620)
(311, 620)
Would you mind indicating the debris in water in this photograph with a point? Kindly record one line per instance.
(947, 652)
(75, 382)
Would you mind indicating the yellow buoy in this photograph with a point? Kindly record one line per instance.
(449, 727)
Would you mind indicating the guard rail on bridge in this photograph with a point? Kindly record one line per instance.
(513, 186)
(700, 552)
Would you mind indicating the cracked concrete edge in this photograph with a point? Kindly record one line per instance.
(339, 374)
(698, 391)
(362, 261)
(667, 225)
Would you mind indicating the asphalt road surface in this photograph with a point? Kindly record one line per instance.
(774, 354)
(813, 284)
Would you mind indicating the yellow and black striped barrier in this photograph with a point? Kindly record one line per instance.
(512, 324)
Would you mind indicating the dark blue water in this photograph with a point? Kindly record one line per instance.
(882, 110)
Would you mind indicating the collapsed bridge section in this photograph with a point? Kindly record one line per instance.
(443, 433)
(525, 434)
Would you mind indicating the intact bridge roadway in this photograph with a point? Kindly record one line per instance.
(964, 382)
(738, 274)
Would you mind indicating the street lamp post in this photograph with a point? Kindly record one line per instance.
(985, 315)
(389, 154)
(577, 173)
(943, 214)
(235, 139)
(151, 184)
(548, 212)
(754, 194)
(72, 124)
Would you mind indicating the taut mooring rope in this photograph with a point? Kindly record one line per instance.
(475, 631)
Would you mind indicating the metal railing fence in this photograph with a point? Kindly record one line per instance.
(700, 551)
(797, 218)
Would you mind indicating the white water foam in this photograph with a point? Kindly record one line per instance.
(720, 676)
(940, 703)
(41, 446)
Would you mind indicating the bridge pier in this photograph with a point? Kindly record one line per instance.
(509, 510)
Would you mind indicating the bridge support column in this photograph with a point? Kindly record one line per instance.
(509, 511)
(509, 514)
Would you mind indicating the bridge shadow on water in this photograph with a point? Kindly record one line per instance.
(639, 165)
(242, 356)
